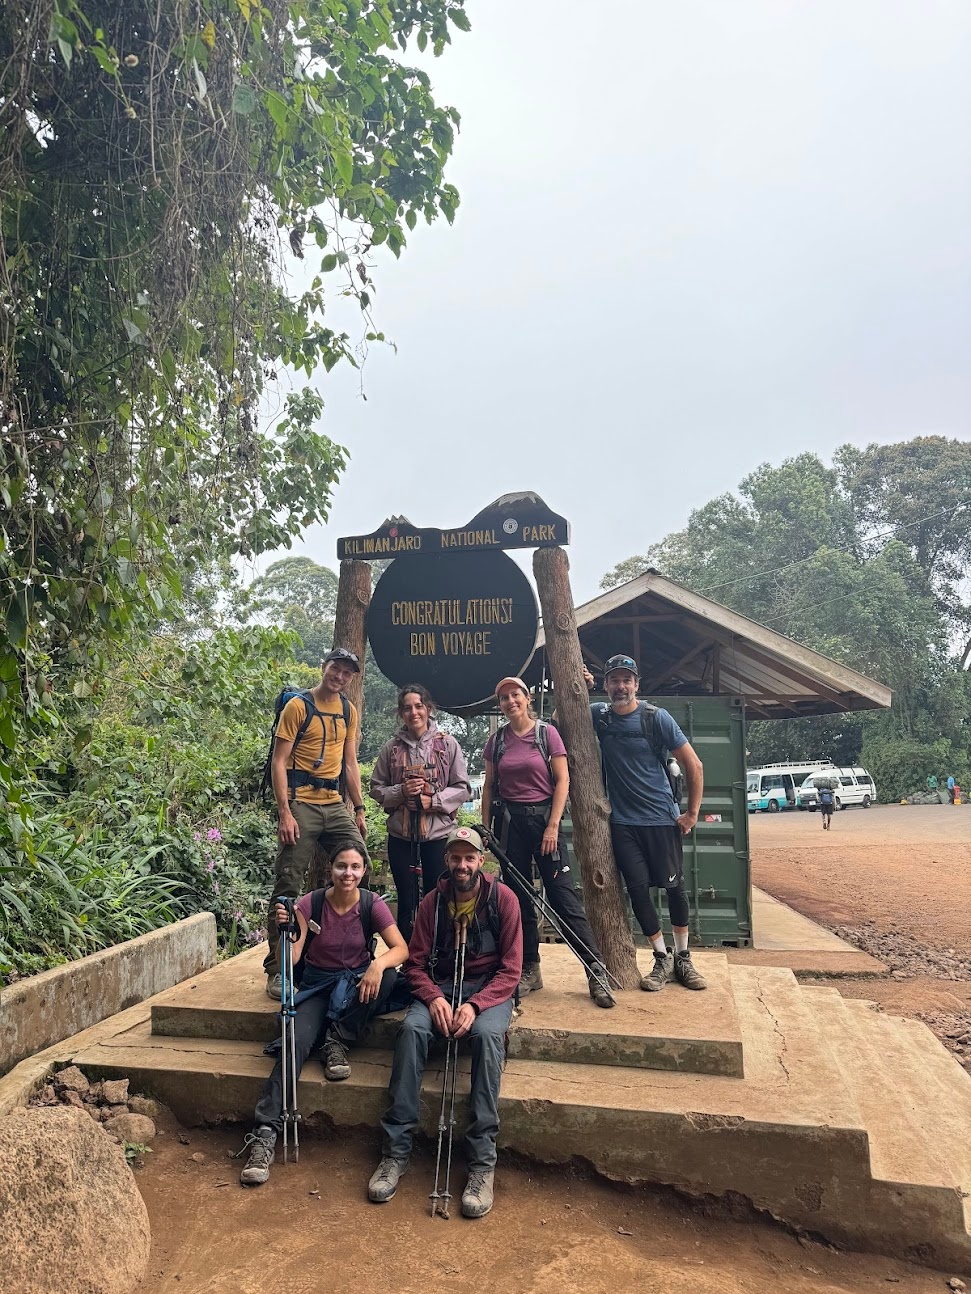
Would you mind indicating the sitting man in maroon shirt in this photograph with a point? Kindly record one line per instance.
(493, 965)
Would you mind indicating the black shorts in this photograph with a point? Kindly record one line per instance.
(661, 849)
(827, 808)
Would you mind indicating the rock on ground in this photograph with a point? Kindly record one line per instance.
(73, 1218)
(114, 1091)
(135, 1128)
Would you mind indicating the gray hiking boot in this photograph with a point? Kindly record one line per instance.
(261, 1154)
(531, 980)
(336, 1064)
(685, 973)
(657, 977)
(385, 1178)
(274, 986)
(598, 987)
(477, 1196)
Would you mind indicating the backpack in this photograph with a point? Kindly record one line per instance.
(651, 732)
(442, 935)
(298, 777)
(499, 749)
(365, 911)
(826, 795)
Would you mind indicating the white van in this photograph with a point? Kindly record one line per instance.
(855, 787)
(777, 786)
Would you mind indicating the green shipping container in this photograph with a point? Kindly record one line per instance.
(717, 867)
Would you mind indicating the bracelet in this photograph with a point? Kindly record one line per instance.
(359, 808)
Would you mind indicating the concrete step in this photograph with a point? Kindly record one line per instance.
(932, 1086)
(868, 1056)
(644, 1030)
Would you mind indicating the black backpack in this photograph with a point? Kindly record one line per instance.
(499, 749)
(442, 935)
(365, 911)
(603, 717)
(295, 776)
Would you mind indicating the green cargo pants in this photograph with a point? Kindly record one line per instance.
(331, 825)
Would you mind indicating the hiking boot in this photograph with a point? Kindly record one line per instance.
(657, 977)
(477, 1196)
(598, 987)
(531, 980)
(261, 1154)
(685, 973)
(336, 1064)
(385, 1178)
(274, 986)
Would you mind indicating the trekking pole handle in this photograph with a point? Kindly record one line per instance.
(290, 925)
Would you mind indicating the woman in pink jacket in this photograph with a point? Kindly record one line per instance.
(421, 782)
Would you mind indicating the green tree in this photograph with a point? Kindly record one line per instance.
(298, 594)
(157, 164)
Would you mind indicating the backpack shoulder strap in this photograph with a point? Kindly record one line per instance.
(317, 908)
(600, 716)
(651, 728)
(543, 744)
(366, 910)
(492, 909)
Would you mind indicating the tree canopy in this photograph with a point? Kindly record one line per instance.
(865, 562)
(158, 165)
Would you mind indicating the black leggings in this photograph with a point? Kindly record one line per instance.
(432, 868)
(523, 841)
(649, 856)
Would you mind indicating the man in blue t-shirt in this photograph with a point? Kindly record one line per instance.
(646, 821)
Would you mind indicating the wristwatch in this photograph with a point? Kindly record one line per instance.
(359, 808)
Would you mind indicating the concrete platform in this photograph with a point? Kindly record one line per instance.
(848, 1123)
(784, 937)
(561, 1023)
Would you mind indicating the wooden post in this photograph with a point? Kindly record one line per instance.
(589, 807)
(350, 631)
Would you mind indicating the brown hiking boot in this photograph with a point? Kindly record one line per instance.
(685, 972)
(657, 976)
(531, 980)
(336, 1064)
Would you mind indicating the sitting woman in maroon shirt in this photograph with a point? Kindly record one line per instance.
(342, 985)
(525, 792)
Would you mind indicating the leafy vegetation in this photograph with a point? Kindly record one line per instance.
(866, 562)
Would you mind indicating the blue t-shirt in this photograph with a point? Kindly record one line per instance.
(637, 783)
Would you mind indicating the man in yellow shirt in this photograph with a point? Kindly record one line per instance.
(306, 785)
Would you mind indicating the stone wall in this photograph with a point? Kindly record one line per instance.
(37, 1012)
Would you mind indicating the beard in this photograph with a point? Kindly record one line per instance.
(466, 886)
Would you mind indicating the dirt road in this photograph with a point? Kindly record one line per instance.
(551, 1232)
(903, 870)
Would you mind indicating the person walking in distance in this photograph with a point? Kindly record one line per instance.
(646, 820)
(493, 962)
(826, 793)
(525, 790)
(342, 985)
(421, 782)
(315, 748)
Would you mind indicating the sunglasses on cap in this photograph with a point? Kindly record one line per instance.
(342, 654)
(621, 662)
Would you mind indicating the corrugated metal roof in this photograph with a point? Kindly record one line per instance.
(689, 645)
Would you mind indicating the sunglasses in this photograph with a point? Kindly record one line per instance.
(341, 653)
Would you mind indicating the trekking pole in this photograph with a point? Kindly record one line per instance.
(416, 851)
(288, 1056)
(440, 1198)
(543, 909)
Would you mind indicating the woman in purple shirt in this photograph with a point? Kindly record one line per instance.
(525, 792)
(342, 985)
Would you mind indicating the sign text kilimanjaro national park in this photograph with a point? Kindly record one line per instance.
(514, 521)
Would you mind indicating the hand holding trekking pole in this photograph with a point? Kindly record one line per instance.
(462, 1021)
(441, 1014)
(286, 919)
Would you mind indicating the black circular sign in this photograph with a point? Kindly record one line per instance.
(455, 622)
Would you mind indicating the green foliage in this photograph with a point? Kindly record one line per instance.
(863, 562)
(297, 594)
(157, 165)
(900, 767)
(135, 1151)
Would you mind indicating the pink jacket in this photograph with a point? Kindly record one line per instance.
(440, 752)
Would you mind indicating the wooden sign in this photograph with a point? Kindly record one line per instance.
(513, 521)
(455, 622)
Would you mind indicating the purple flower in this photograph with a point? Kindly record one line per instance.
(211, 865)
(197, 835)
(214, 834)
(215, 887)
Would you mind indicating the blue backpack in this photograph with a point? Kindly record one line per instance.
(295, 776)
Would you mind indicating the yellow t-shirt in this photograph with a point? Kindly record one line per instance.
(464, 908)
(306, 754)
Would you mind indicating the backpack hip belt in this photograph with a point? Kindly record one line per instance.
(299, 777)
(539, 809)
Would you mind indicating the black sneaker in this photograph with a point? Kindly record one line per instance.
(685, 972)
(336, 1064)
(531, 980)
(261, 1154)
(657, 976)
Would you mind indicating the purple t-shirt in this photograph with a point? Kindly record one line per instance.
(340, 944)
(522, 775)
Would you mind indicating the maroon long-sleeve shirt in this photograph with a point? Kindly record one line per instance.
(503, 969)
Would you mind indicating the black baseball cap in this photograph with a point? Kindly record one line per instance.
(622, 662)
(345, 657)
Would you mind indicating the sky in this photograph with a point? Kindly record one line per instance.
(693, 238)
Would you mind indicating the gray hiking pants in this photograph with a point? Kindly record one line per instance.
(488, 1041)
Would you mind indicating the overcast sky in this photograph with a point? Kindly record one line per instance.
(694, 237)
